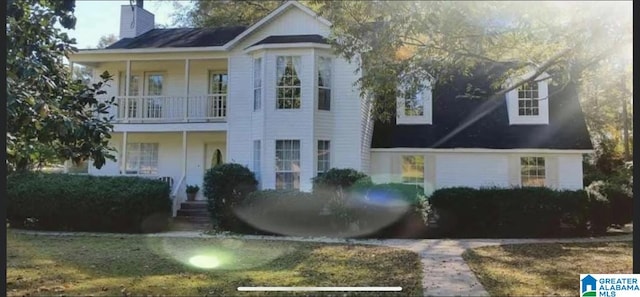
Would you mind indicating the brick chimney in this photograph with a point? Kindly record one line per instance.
(135, 20)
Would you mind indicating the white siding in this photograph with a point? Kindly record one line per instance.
(500, 168)
(570, 172)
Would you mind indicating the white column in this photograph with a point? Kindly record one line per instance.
(127, 81)
(124, 153)
(185, 105)
(184, 153)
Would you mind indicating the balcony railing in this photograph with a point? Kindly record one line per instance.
(145, 109)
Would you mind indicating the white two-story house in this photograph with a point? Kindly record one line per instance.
(275, 98)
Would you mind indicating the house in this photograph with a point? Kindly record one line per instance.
(274, 98)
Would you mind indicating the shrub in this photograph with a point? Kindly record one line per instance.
(515, 212)
(226, 186)
(57, 201)
(192, 189)
(612, 204)
(335, 179)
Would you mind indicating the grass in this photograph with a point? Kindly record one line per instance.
(138, 265)
(545, 269)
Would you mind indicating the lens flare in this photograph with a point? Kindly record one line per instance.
(204, 261)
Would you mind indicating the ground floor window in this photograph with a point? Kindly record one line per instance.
(324, 161)
(532, 171)
(142, 158)
(413, 170)
(287, 164)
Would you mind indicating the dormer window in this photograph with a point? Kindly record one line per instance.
(528, 100)
(414, 105)
(529, 103)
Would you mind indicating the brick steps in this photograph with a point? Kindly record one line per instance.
(192, 215)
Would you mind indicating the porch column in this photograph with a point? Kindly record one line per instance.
(185, 105)
(184, 153)
(127, 81)
(71, 67)
(124, 153)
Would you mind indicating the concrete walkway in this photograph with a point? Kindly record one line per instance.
(445, 273)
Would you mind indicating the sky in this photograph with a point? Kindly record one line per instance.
(99, 18)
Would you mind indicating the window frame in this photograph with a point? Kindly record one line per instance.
(531, 100)
(280, 170)
(426, 95)
(258, 83)
(326, 162)
(217, 72)
(512, 98)
(293, 100)
(138, 152)
(416, 181)
(536, 160)
(327, 89)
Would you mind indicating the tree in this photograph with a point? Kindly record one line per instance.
(47, 111)
(106, 40)
(411, 41)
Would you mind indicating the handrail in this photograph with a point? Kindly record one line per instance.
(174, 195)
(204, 107)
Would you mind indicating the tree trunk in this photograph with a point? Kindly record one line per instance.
(625, 123)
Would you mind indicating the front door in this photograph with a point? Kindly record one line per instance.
(214, 155)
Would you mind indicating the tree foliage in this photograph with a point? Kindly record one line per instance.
(106, 40)
(47, 111)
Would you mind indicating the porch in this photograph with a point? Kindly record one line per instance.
(165, 91)
(178, 158)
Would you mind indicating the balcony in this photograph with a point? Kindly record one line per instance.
(170, 109)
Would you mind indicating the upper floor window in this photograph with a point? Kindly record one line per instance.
(529, 103)
(288, 82)
(324, 83)
(257, 83)
(218, 82)
(414, 104)
(528, 100)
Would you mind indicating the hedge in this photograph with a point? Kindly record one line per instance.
(335, 179)
(614, 203)
(510, 212)
(57, 201)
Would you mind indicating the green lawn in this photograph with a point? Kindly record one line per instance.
(545, 269)
(138, 265)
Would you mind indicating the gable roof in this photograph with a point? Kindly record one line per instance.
(567, 128)
(180, 37)
(276, 12)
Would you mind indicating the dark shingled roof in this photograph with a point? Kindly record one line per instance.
(292, 39)
(566, 129)
(180, 37)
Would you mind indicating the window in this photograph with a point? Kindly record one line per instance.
(257, 83)
(528, 100)
(218, 82)
(532, 171)
(324, 83)
(413, 170)
(142, 158)
(256, 159)
(324, 161)
(287, 164)
(155, 89)
(414, 104)
(134, 90)
(288, 83)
